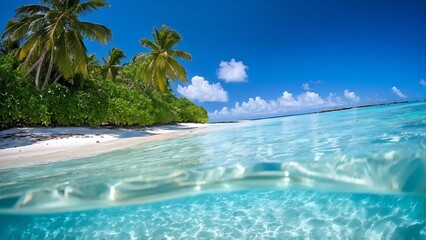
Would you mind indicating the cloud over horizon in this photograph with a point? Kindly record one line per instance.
(256, 107)
(232, 71)
(422, 82)
(201, 90)
(398, 92)
(351, 96)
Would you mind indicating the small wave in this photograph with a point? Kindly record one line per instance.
(403, 178)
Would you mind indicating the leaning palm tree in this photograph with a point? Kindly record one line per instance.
(112, 65)
(52, 37)
(160, 64)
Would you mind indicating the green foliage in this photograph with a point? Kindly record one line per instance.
(7, 69)
(97, 103)
(70, 87)
(160, 64)
(126, 107)
(8, 46)
(20, 102)
(131, 75)
(165, 110)
(169, 108)
(111, 66)
(52, 38)
(189, 112)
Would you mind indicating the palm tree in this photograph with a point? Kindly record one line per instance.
(112, 65)
(52, 34)
(160, 64)
(93, 67)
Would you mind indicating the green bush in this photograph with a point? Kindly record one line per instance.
(97, 103)
(190, 112)
(20, 103)
(165, 110)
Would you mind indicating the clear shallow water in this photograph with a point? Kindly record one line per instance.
(354, 155)
(290, 214)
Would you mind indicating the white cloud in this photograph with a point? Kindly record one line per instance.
(422, 82)
(232, 71)
(335, 100)
(253, 105)
(310, 99)
(351, 96)
(306, 86)
(286, 99)
(285, 103)
(398, 92)
(202, 91)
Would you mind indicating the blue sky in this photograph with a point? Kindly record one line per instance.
(375, 50)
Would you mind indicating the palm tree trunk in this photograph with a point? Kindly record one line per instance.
(147, 86)
(57, 78)
(49, 71)
(33, 66)
(27, 59)
(37, 79)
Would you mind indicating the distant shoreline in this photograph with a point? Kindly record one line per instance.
(321, 111)
(362, 106)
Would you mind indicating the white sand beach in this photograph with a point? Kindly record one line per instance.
(21, 147)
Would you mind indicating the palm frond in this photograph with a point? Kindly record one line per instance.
(115, 56)
(38, 23)
(181, 54)
(79, 51)
(63, 61)
(172, 38)
(160, 80)
(29, 58)
(94, 31)
(31, 9)
(141, 57)
(19, 29)
(112, 65)
(148, 71)
(179, 69)
(53, 28)
(52, 2)
(31, 42)
(71, 4)
(90, 6)
(156, 35)
(161, 64)
(149, 44)
(171, 73)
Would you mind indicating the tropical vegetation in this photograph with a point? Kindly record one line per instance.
(160, 63)
(111, 66)
(47, 76)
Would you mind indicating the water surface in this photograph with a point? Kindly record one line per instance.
(359, 173)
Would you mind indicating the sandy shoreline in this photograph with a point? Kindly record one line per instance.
(20, 147)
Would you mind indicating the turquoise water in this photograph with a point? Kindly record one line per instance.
(359, 173)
